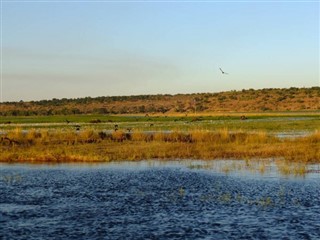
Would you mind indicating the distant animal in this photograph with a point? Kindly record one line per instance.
(95, 121)
(77, 127)
(102, 135)
(223, 71)
(243, 117)
(116, 127)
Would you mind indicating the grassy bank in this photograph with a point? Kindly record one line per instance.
(272, 122)
(55, 146)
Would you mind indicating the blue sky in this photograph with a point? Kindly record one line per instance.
(57, 49)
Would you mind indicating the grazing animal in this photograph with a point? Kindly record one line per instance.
(102, 135)
(223, 71)
(116, 127)
(243, 117)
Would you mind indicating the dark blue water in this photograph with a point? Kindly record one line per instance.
(153, 202)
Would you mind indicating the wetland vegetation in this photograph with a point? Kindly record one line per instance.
(292, 136)
(89, 145)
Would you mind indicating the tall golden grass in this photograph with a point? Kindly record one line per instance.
(89, 145)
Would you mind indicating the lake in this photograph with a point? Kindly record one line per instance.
(157, 200)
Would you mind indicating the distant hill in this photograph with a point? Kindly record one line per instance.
(262, 100)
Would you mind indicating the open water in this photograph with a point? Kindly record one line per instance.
(154, 201)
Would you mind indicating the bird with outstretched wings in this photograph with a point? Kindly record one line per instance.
(223, 71)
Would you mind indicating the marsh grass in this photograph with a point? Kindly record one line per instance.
(289, 168)
(284, 167)
(89, 145)
(269, 122)
(251, 165)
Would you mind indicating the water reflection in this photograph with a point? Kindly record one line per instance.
(248, 168)
(266, 168)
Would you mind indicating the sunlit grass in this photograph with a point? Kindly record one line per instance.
(90, 145)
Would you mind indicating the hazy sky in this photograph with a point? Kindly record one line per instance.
(55, 49)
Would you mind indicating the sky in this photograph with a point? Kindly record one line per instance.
(70, 49)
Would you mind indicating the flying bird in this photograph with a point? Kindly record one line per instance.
(223, 71)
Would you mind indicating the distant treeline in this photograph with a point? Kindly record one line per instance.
(262, 100)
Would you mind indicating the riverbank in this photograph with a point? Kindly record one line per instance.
(45, 145)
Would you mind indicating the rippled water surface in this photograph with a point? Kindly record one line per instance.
(154, 201)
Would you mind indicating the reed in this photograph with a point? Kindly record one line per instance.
(289, 168)
(64, 145)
